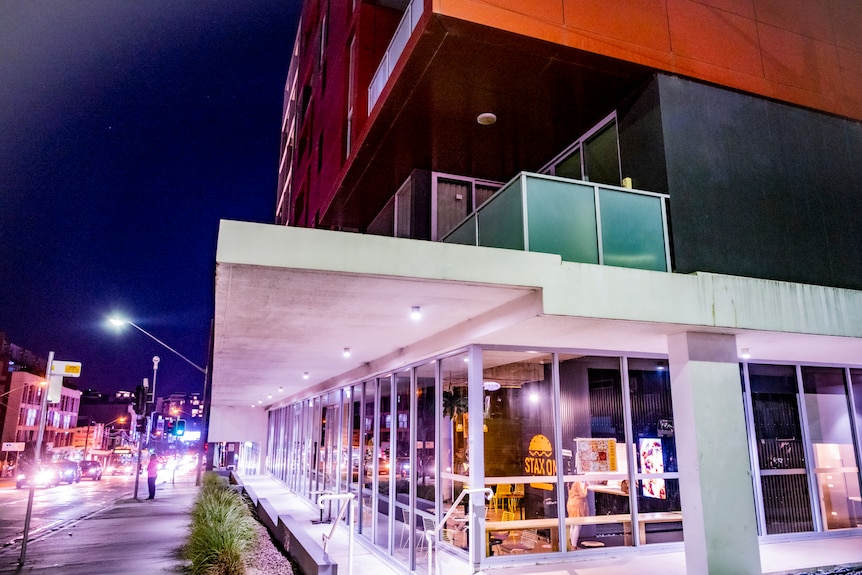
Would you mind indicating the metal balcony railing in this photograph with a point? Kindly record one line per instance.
(580, 221)
(393, 51)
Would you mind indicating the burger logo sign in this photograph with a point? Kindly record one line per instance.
(540, 460)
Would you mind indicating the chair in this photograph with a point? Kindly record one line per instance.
(428, 526)
(527, 541)
(516, 498)
(503, 535)
(405, 527)
(502, 492)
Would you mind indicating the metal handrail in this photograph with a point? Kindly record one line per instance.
(432, 536)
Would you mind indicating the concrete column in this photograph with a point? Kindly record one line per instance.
(712, 450)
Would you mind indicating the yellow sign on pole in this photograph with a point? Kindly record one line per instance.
(56, 372)
(66, 368)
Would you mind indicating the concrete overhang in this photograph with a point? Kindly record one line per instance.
(289, 300)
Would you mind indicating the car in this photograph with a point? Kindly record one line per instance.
(70, 471)
(122, 469)
(91, 470)
(48, 476)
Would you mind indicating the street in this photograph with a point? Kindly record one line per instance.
(58, 506)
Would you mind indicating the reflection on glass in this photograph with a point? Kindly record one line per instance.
(384, 467)
(401, 469)
(832, 438)
(454, 460)
(368, 460)
(781, 457)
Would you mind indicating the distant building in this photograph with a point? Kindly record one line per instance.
(26, 401)
(604, 253)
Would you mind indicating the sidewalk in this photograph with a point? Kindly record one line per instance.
(131, 537)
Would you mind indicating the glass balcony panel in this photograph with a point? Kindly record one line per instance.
(465, 233)
(501, 219)
(632, 230)
(561, 220)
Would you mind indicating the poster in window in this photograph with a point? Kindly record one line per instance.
(596, 455)
(652, 461)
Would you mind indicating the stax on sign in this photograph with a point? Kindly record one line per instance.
(540, 460)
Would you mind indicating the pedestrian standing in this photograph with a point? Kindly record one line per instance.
(152, 474)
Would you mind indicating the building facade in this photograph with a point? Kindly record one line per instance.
(627, 234)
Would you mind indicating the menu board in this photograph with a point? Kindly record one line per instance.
(595, 455)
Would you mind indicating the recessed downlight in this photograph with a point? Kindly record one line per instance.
(486, 118)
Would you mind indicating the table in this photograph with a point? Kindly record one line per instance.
(552, 522)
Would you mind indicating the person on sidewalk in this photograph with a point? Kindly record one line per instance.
(152, 474)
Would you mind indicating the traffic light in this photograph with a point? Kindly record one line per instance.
(180, 427)
(140, 399)
(169, 426)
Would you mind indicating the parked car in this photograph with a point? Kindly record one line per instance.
(70, 471)
(47, 476)
(91, 470)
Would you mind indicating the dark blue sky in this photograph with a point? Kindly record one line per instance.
(127, 130)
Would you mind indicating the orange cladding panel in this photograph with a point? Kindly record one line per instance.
(807, 52)
(714, 37)
(800, 61)
(806, 17)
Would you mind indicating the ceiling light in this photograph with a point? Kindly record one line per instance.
(491, 386)
(534, 397)
(746, 353)
(305, 375)
(281, 388)
(269, 396)
(486, 118)
(415, 313)
(346, 352)
(260, 401)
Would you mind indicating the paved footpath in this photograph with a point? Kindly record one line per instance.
(130, 537)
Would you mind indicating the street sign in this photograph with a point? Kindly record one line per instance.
(66, 368)
(56, 372)
(13, 446)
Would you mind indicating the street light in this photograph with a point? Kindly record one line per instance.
(119, 322)
(116, 321)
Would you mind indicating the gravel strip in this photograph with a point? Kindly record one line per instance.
(267, 559)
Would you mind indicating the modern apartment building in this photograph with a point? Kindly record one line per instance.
(592, 267)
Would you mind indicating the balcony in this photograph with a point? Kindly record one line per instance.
(580, 221)
(393, 51)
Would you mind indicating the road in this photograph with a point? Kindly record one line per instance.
(57, 507)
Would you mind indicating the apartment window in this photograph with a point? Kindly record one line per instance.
(351, 97)
(319, 153)
(323, 34)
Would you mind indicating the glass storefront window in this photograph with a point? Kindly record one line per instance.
(520, 452)
(653, 451)
(780, 449)
(830, 432)
(454, 458)
(595, 466)
(383, 455)
(400, 467)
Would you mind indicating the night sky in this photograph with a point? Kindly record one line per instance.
(127, 130)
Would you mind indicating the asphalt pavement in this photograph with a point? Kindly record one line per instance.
(132, 536)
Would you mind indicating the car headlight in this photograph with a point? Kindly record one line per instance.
(43, 476)
(21, 477)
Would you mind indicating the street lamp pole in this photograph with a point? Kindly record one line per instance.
(203, 370)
